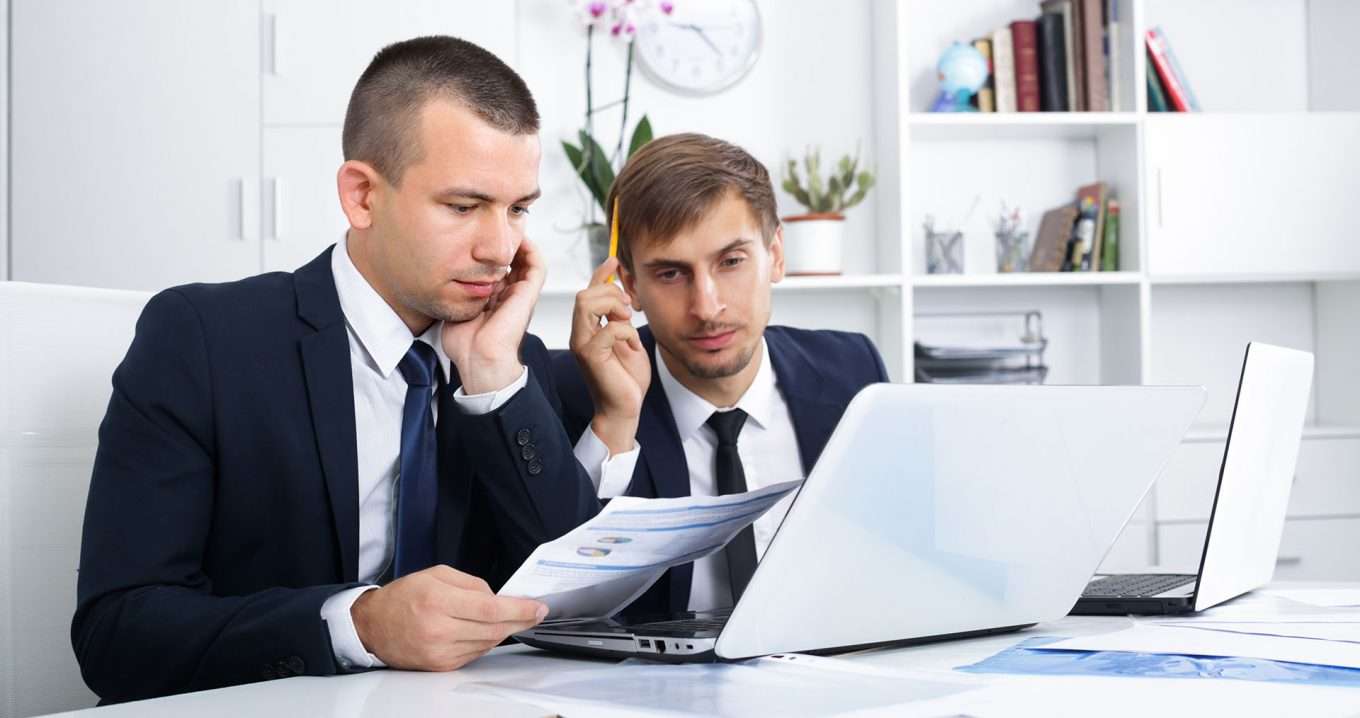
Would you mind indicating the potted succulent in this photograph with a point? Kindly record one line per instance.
(595, 167)
(814, 240)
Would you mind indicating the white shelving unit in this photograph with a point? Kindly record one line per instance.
(1233, 229)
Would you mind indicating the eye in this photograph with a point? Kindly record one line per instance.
(732, 260)
(519, 211)
(668, 276)
(462, 208)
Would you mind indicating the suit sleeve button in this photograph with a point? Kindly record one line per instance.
(522, 437)
(528, 452)
(535, 467)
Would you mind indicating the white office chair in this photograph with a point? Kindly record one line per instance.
(58, 349)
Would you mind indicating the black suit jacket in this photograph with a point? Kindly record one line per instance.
(817, 373)
(223, 508)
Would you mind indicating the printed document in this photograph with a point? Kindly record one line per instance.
(598, 568)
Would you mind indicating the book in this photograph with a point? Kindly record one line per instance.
(1113, 58)
(1069, 33)
(1050, 244)
(1053, 89)
(1109, 255)
(1178, 93)
(1025, 45)
(1095, 86)
(1156, 99)
(986, 96)
(1003, 70)
(1091, 205)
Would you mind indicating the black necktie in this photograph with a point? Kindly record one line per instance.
(741, 550)
(417, 480)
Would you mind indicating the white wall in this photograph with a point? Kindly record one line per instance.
(811, 85)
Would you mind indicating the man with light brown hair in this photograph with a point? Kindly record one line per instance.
(706, 399)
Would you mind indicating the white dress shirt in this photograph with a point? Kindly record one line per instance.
(767, 445)
(378, 340)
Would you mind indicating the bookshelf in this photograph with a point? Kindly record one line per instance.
(1235, 228)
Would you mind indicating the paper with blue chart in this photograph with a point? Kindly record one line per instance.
(600, 566)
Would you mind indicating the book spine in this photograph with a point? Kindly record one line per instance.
(1113, 60)
(1175, 94)
(1053, 64)
(1109, 256)
(1025, 41)
(1093, 33)
(1156, 96)
(986, 96)
(1003, 65)
(1191, 101)
(1076, 72)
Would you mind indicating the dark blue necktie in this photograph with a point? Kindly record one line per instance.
(731, 479)
(417, 480)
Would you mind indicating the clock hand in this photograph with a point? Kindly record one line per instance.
(702, 35)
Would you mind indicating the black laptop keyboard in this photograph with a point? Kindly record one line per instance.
(1134, 585)
(713, 622)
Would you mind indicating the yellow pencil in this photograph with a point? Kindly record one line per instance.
(613, 236)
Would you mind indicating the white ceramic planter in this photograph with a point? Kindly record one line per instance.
(814, 244)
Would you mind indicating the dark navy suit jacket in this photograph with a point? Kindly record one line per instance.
(817, 373)
(223, 508)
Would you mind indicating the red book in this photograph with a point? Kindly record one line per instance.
(1025, 40)
(1158, 51)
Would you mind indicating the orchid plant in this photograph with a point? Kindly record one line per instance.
(620, 19)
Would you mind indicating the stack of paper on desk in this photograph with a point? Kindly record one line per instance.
(601, 566)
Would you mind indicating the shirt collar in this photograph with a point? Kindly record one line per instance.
(691, 411)
(384, 337)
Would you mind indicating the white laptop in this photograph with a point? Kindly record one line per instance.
(935, 511)
(1247, 518)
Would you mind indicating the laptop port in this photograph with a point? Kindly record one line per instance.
(644, 642)
(660, 646)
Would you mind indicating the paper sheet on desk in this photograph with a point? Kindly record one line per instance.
(602, 565)
(1186, 640)
(1327, 597)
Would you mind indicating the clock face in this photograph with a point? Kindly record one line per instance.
(702, 47)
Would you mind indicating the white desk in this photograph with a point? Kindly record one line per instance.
(396, 693)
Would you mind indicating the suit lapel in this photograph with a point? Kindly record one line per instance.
(657, 433)
(330, 394)
(798, 380)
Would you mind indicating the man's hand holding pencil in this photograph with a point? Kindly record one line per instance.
(610, 353)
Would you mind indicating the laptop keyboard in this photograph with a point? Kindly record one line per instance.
(686, 624)
(1134, 585)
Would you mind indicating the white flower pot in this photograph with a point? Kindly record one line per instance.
(814, 243)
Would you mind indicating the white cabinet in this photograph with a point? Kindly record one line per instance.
(1251, 194)
(302, 204)
(135, 142)
(315, 50)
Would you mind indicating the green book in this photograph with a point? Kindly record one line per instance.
(1156, 95)
(1109, 253)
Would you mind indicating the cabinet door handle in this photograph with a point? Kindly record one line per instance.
(1158, 175)
(278, 208)
(1288, 560)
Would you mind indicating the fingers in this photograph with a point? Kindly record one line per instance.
(488, 608)
(457, 579)
(602, 300)
(528, 266)
(609, 336)
(602, 273)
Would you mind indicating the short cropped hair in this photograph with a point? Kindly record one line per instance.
(668, 185)
(382, 120)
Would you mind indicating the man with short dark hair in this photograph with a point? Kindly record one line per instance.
(706, 399)
(329, 470)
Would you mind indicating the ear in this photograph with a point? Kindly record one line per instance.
(630, 285)
(776, 250)
(358, 183)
